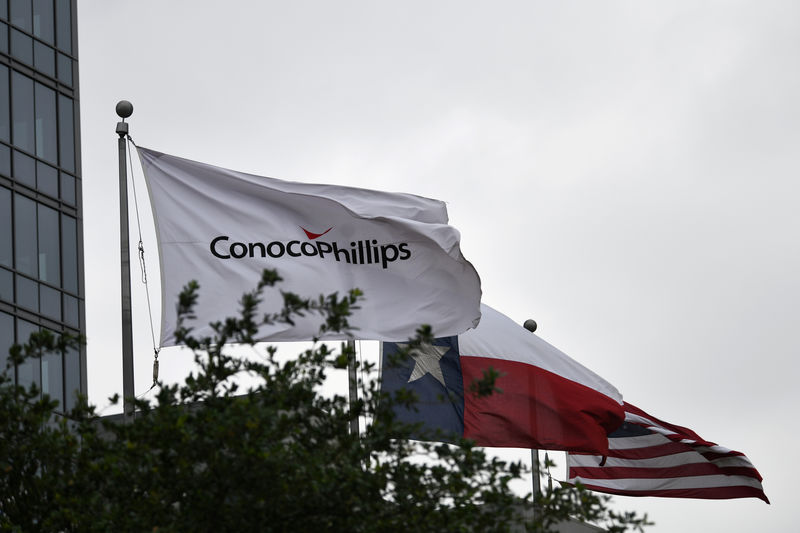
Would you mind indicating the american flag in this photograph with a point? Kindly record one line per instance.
(649, 457)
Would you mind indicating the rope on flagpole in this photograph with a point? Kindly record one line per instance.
(143, 268)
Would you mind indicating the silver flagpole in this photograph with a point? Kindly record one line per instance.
(530, 325)
(124, 110)
(353, 381)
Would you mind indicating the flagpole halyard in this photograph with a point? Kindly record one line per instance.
(124, 110)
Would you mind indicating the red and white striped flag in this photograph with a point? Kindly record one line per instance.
(649, 457)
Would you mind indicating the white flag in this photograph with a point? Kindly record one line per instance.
(222, 228)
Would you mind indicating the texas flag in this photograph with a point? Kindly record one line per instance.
(547, 400)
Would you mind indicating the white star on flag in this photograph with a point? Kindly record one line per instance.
(426, 361)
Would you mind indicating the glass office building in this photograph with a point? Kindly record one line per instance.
(41, 248)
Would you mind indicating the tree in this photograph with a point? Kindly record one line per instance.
(208, 456)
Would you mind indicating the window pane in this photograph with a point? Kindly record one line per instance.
(46, 143)
(66, 133)
(43, 20)
(72, 376)
(21, 46)
(27, 294)
(44, 58)
(6, 337)
(68, 188)
(69, 253)
(22, 111)
(4, 9)
(52, 375)
(47, 179)
(5, 117)
(65, 69)
(5, 160)
(29, 371)
(24, 169)
(21, 14)
(64, 21)
(5, 227)
(6, 285)
(25, 236)
(50, 302)
(49, 244)
(71, 312)
(4, 38)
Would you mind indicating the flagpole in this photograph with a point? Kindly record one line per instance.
(124, 110)
(353, 386)
(531, 325)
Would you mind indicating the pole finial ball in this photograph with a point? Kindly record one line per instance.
(530, 325)
(124, 109)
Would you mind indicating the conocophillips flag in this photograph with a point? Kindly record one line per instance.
(547, 400)
(222, 228)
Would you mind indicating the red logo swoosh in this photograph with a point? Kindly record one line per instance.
(313, 236)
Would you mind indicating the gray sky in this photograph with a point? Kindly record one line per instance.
(626, 173)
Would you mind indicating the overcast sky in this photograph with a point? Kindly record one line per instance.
(625, 173)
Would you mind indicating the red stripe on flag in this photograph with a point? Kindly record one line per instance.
(632, 472)
(668, 448)
(536, 409)
(713, 493)
(740, 471)
(712, 456)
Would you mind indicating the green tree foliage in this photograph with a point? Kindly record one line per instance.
(209, 456)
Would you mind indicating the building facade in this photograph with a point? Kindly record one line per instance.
(41, 246)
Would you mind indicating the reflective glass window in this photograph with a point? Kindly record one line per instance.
(4, 38)
(46, 137)
(65, 69)
(27, 293)
(71, 311)
(68, 188)
(6, 285)
(21, 14)
(44, 59)
(47, 179)
(43, 20)
(6, 256)
(72, 376)
(6, 337)
(5, 117)
(4, 9)
(66, 133)
(52, 377)
(25, 247)
(24, 169)
(29, 371)
(21, 46)
(50, 302)
(69, 253)
(64, 25)
(22, 111)
(49, 244)
(5, 160)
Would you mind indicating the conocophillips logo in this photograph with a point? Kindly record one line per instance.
(362, 252)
